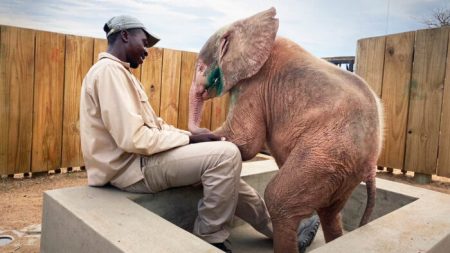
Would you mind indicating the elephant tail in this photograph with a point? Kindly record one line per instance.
(371, 193)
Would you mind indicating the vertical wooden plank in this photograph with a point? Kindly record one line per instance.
(219, 110)
(370, 61)
(170, 87)
(100, 45)
(206, 114)
(4, 103)
(21, 64)
(444, 139)
(78, 60)
(16, 92)
(48, 104)
(396, 83)
(426, 100)
(151, 77)
(188, 60)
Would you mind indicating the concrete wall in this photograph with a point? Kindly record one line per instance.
(88, 219)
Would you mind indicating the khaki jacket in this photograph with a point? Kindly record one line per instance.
(118, 125)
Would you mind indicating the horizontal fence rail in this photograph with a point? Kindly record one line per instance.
(40, 81)
(411, 73)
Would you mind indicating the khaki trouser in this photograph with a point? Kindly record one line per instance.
(217, 165)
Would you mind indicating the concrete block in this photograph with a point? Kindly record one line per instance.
(89, 219)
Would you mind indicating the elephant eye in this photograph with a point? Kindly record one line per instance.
(201, 67)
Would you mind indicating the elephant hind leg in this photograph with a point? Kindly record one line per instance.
(285, 200)
(330, 219)
(285, 223)
(285, 235)
(309, 180)
(330, 216)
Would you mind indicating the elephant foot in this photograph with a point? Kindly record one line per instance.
(307, 232)
(224, 246)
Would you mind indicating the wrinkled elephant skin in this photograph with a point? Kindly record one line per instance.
(322, 124)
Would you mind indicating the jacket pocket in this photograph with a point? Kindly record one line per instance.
(147, 113)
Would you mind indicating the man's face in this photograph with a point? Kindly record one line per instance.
(137, 47)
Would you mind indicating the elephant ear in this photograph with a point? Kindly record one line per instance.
(246, 45)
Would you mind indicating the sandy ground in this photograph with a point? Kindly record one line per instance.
(21, 206)
(21, 202)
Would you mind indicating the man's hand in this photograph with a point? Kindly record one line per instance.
(195, 138)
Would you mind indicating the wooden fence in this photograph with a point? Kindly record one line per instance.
(411, 73)
(40, 80)
(41, 74)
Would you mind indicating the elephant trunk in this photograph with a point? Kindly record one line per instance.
(195, 108)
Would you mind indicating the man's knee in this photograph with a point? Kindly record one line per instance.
(232, 156)
(227, 158)
(231, 150)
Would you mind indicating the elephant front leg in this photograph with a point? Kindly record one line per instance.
(248, 138)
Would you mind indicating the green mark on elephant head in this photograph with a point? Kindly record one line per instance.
(215, 80)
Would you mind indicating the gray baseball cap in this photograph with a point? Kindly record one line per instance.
(124, 22)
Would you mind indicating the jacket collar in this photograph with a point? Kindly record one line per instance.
(112, 57)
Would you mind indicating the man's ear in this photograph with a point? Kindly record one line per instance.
(124, 35)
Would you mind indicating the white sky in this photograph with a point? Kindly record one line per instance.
(324, 27)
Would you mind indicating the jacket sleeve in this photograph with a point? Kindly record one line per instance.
(121, 114)
(166, 126)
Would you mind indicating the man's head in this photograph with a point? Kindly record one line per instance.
(128, 39)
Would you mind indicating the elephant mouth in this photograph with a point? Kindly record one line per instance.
(206, 95)
(210, 93)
